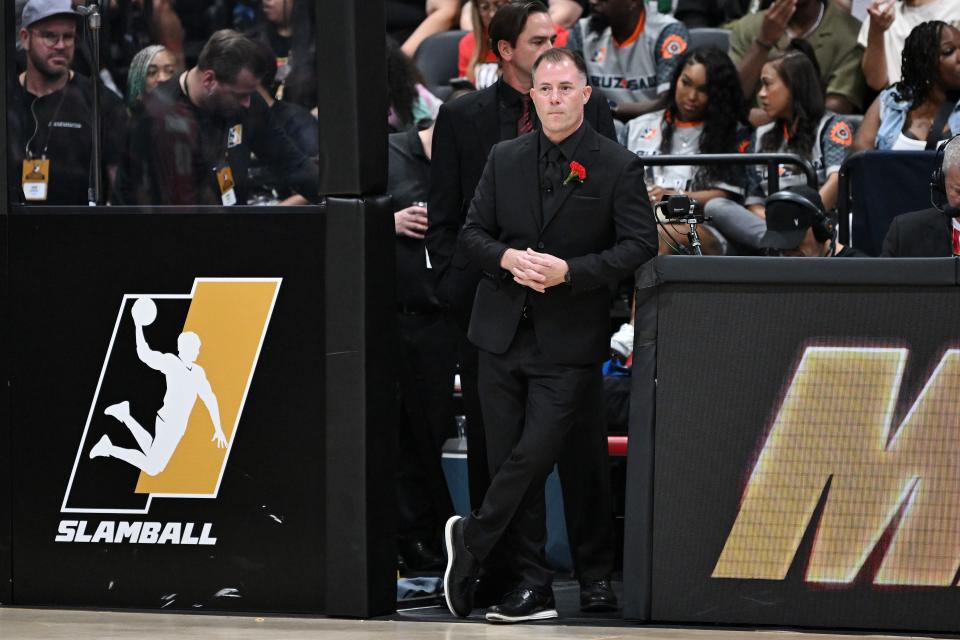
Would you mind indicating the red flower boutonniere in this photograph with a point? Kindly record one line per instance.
(577, 172)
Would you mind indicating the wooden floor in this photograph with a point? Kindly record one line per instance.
(48, 624)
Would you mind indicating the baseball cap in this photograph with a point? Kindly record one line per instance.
(789, 214)
(37, 10)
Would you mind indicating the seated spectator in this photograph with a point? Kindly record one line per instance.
(192, 142)
(631, 54)
(299, 82)
(276, 33)
(790, 94)
(705, 114)
(933, 232)
(924, 106)
(413, 21)
(798, 226)
(476, 60)
(411, 104)
(150, 67)
(300, 126)
(51, 114)
(884, 33)
(697, 14)
(479, 64)
(829, 30)
(564, 13)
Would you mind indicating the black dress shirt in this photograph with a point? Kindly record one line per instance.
(554, 167)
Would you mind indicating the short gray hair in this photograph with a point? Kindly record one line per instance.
(951, 154)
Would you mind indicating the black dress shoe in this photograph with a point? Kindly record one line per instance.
(460, 578)
(597, 595)
(419, 555)
(523, 604)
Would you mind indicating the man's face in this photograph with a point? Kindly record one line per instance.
(229, 99)
(559, 93)
(612, 9)
(952, 180)
(50, 45)
(808, 248)
(537, 36)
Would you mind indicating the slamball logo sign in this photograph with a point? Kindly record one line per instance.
(889, 489)
(166, 410)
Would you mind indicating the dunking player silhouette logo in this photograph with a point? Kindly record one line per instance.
(186, 381)
(171, 435)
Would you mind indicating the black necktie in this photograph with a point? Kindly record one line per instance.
(552, 180)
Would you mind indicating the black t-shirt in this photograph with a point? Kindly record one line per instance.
(58, 126)
(176, 148)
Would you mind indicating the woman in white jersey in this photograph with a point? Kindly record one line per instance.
(792, 97)
(705, 113)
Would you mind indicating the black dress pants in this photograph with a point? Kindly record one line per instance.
(530, 406)
(426, 366)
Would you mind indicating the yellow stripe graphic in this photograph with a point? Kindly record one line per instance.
(230, 317)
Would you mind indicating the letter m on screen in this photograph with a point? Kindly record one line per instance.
(835, 426)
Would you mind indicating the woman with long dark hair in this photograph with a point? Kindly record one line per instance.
(705, 113)
(411, 104)
(903, 117)
(791, 94)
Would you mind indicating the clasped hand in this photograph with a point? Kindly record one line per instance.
(539, 271)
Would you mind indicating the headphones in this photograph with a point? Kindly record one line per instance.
(823, 227)
(938, 181)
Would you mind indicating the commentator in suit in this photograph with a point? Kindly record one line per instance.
(465, 131)
(934, 232)
(559, 216)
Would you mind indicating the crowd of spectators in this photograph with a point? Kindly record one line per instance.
(200, 103)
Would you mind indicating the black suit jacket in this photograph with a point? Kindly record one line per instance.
(919, 234)
(604, 228)
(465, 131)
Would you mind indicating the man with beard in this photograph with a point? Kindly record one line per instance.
(51, 113)
(191, 145)
(630, 53)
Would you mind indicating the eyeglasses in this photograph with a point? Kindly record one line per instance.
(52, 38)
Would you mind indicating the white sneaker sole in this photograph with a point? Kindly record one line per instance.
(546, 614)
(448, 542)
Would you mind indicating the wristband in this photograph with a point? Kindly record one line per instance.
(764, 45)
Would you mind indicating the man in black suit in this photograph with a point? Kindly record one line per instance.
(466, 129)
(934, 232)
(559, 216)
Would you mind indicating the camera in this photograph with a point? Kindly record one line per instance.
(681, 209)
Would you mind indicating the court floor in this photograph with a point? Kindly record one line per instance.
(52, 624)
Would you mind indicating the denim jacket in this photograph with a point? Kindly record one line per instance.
(893, 114)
